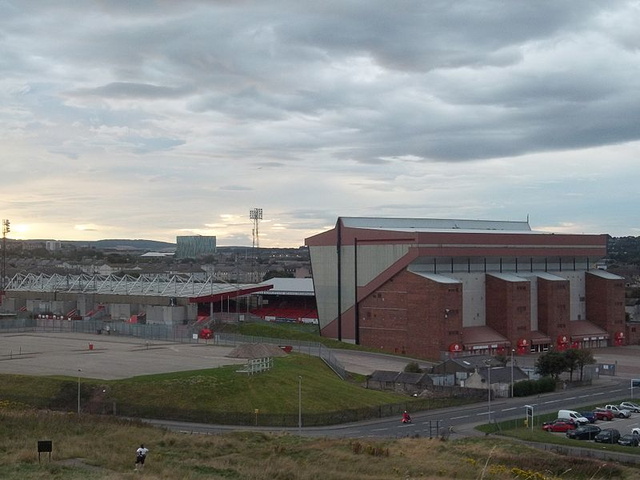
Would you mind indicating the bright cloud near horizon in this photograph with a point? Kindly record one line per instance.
(152, 119)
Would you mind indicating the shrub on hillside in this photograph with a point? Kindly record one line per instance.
(412, 367)
(534, 387)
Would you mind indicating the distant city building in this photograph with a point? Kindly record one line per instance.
(195, 246)
(157, 254)
(53, 245)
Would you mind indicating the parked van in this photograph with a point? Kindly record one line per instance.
(573, 415)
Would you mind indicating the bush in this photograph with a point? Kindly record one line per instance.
(534, 387)
(412, 367)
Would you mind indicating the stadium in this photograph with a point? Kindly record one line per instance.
(437, 287)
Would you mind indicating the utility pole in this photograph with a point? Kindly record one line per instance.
(512, 351)
(79, 371)
(488, 364)
(255, 215)
(300, 405)
(6, 228)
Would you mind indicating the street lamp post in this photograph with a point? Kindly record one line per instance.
(488, 364)
(299, 405)
(79, 370)
(512, 352)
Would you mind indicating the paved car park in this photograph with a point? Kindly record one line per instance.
(623, 425)
(106, 357)
(114, 356)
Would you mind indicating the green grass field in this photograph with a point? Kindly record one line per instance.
(291, 331)
(221, 395)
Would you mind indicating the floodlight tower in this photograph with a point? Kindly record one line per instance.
(6, 228)
(256, 216)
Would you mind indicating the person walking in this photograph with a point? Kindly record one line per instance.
(141, 455)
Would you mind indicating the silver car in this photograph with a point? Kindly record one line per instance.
(632, 407)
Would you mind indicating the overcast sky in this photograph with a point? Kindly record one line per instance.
(152, 119)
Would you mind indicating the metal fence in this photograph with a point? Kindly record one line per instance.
(66, 397)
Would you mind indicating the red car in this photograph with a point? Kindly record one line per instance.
(602, 414)
(559, 425)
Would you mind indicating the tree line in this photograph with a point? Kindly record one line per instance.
(554, 363)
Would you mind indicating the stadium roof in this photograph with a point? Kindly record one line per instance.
(196, 288)
(430, 224)
(289, 286)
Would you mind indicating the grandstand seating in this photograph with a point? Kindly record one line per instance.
(294, 314)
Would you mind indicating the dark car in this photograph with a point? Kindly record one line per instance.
(629, 440)
(608, 435)
(559, 425)
(591, 416)
(586, 432)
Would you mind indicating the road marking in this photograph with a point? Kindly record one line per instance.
(458, 418)
(508, 409)
(379, 429)
(483, 413)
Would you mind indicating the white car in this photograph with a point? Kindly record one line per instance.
(633, 407)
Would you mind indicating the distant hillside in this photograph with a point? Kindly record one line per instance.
(624, 250)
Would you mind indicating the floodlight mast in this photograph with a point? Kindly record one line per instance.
(256, 216)
(6, 228)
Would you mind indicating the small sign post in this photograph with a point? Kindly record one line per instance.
(529, 416)
(45, 446)
(634, 383)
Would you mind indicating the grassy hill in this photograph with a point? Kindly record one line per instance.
(221, 395)
(290, 331)
(102, 448)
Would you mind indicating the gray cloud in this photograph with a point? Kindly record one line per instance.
(133, 90)
(343, 104)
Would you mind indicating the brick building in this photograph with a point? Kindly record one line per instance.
(425, 287)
